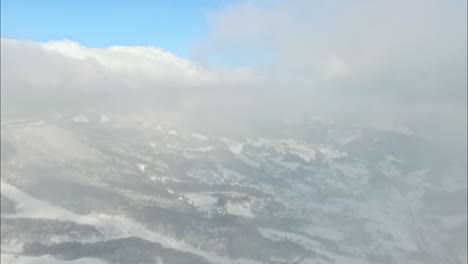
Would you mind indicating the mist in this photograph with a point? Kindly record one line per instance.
(375, 90)
(404, 60)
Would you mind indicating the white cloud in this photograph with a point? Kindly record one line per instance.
(64, 76)
(390, 61)
(149, 62)
(386, 48)
(401, 62)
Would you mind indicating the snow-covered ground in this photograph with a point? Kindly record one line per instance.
(46, 259)
(111, 226)
(346, 198)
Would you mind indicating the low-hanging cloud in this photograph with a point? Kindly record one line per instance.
(403, 50)
(373, 61)
(62, 65)
(64, 76)
(384, 63)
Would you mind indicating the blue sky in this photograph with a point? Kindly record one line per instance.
(171, 25)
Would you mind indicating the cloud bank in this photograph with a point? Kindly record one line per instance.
(364, 62)
(59, 77)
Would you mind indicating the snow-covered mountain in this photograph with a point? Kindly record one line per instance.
(93, 189)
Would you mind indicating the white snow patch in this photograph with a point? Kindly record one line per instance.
(202, 149)
(204, 202)
(142, 167)
(201, 199)
(230, 173)
(330, 153)
(80, 119)
(389, 168)
(324, 231)
(234, 146)
(335, 258)
(240, 209)
(46, 259)
(277, 235)
(173, 132)
(104, 118)
(247, 160)
(158, 128)
(285, 146)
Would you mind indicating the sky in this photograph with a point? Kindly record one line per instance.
(171, 25)
(238, 63)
